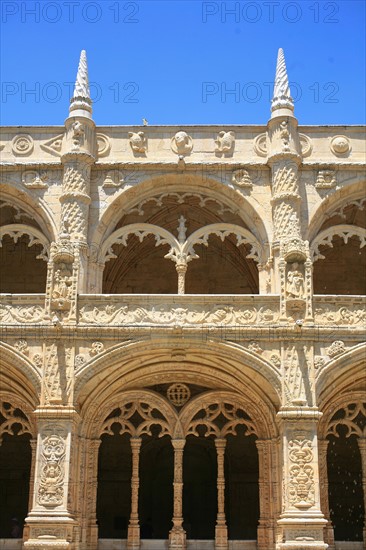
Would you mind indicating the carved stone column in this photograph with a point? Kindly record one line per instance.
(301, 521)
(181, 270)
(177, 536)
(324, 491)
(133, 535)
(51, 522)
(221, 536)
(362, 446)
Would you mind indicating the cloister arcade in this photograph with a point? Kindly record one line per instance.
(182, 356)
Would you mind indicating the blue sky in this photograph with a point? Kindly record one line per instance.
(182, 62)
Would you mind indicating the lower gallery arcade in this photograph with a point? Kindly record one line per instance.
(181, 465)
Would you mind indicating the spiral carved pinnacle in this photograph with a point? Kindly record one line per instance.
(281, 94)
(81, 98)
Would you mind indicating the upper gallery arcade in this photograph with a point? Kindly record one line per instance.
(181, 353)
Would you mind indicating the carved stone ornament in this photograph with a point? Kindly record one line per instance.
(78, 134)
(295, 249)
(103, 145)
(301, 488)
(62, 287)
(340, 145)
(96, 348)
(260, 145)
(22, 347)
(182, 143)
(306, 145)
(22, 144)
(12, 420)
(295, 287)
(276, 360)
(326, 179)
(114, 178)
(53, 146)
(241, 178)
(138, 142)
(254, 347)
(337, 348)
(178, 394)
(319, 362)
(32, 180)
(51, 490)
(225, 142)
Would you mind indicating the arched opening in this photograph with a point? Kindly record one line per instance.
(218, 262)
(342, 271)
(21, 272)
(199, 488)
(346, 468)
(140, 268)
(114, 485)
(345, 487)
(156, 487)
(242, 487)
(15, 471)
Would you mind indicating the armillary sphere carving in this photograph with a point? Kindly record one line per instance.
(136, 418)
(343, 231)
(220, 419)
(181, 249)
(353, 417)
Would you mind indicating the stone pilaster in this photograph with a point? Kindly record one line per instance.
(51, 522)
(361, 441)
(267, 495)
(301, 523)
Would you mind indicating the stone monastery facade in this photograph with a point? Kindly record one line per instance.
(182, 321)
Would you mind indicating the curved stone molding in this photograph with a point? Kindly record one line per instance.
(22, 145)
(343, 231)
(340, 145)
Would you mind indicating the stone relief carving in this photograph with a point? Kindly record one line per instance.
(260, 145)
(149, 413)
(103, 145)
(276, 360)
(326, 179)
(78, 135)
(52, 382)
(167, 315)
(295, 288)
(254, 347)
(32, 180)
(182, 143)
(96, 348)
(351, 416)
(294, 380)
(340, 145)
(225, 143)
(62, 287)
(138, 142)
(22, 347)
(178, 394)
(230, 415)
(241, 178)
(114, 178)
(345, 232)
(181, 198)
(336, 348)
(285, 136)
(53, 146)
(306, 145)
(22, 144)
(21, 314)
(51, 488)
(301, 488)
(334, 314)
